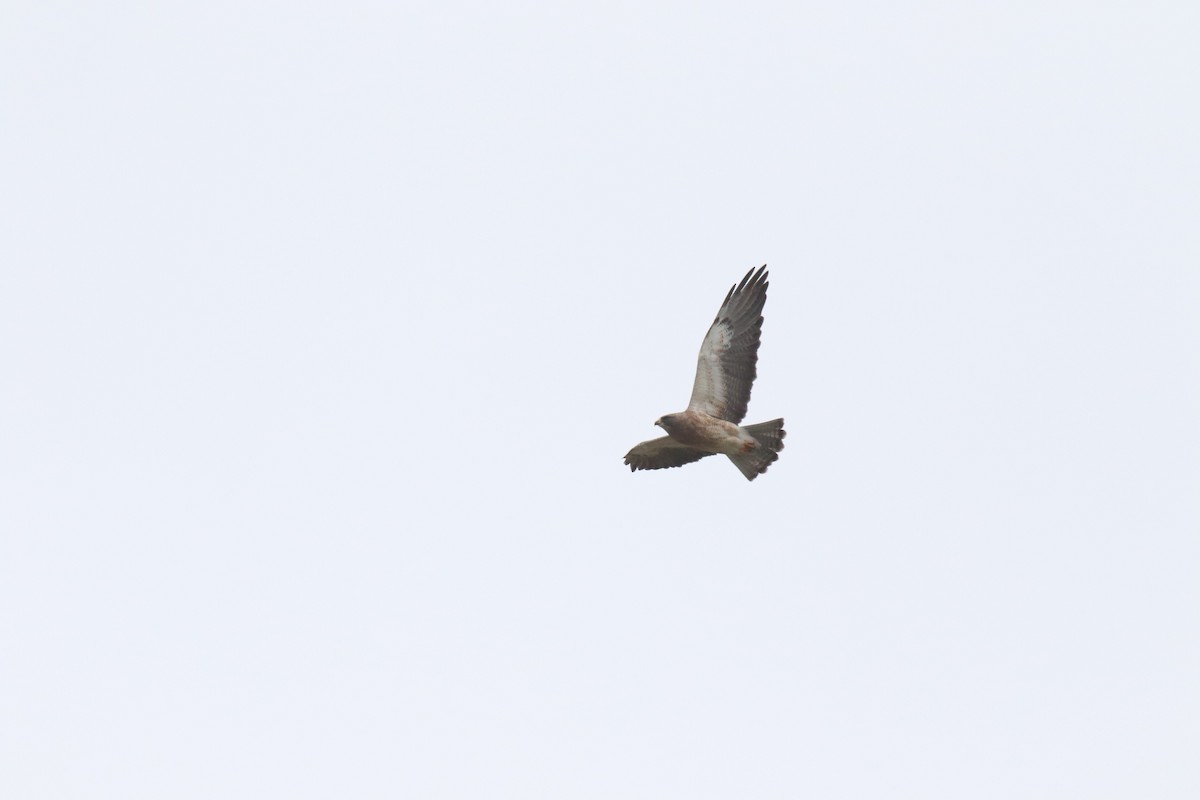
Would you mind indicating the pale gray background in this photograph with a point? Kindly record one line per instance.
(325, 327)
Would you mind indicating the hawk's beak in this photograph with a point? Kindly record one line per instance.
(658, 422)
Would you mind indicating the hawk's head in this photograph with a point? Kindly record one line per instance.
(665, 422)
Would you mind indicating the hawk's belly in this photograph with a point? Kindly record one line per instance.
(710, 433)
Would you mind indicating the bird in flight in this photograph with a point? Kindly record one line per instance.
(725, 373)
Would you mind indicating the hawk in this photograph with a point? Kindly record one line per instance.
(724, 374)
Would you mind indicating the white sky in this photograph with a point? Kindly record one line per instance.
(324, 328)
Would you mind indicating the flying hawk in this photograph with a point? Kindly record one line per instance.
(724, 375)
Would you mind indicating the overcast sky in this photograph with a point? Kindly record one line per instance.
(324, 328)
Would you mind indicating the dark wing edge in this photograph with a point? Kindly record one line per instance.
(662, 453)
(726, 370)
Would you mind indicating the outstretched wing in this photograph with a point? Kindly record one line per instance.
(661, 454)
(726, 368)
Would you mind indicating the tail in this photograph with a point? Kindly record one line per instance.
(770, 442)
